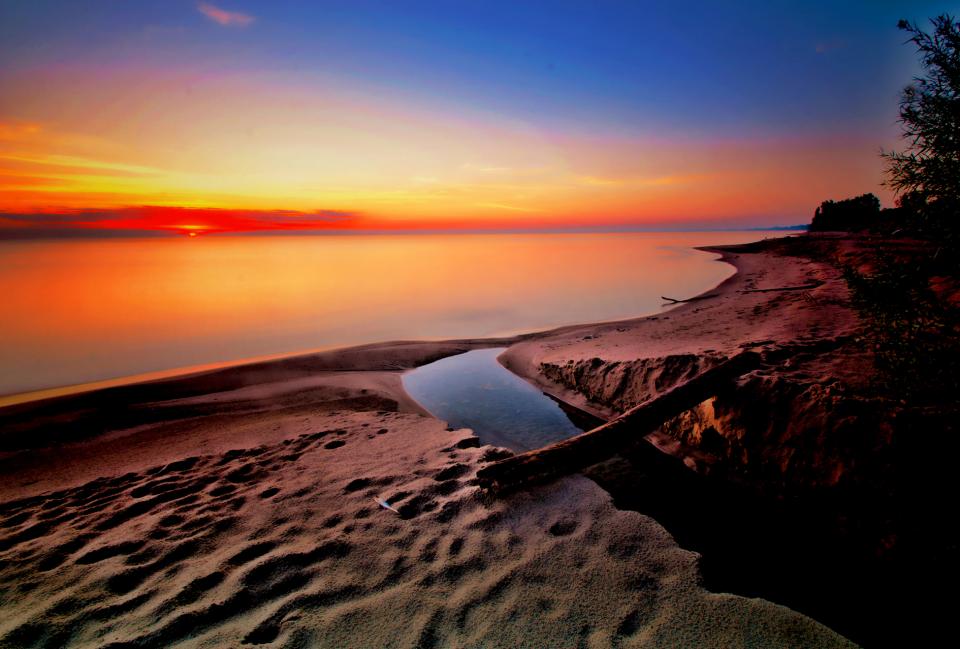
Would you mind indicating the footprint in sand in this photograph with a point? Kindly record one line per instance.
(453, 471)
(563, 527)
(356, 485)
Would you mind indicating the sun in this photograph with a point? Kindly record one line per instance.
(192, 230)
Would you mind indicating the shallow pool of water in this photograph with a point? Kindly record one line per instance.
(473, 390)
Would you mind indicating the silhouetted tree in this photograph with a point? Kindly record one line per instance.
(849, 214)
(926, 176)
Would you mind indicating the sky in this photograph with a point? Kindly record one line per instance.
(254, 116)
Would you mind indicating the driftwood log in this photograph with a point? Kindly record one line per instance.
(801, 287)
(576, 453)
(673, 300)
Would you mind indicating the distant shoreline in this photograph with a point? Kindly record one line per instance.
(89, 234)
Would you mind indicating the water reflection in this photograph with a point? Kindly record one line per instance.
(472, 390)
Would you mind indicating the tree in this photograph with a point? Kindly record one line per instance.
(926, 175)
(846, 215)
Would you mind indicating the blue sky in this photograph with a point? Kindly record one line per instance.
(703, 75)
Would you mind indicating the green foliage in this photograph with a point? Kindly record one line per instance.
(846, 215)
(927, 172)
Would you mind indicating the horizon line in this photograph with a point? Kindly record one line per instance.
(32, 234)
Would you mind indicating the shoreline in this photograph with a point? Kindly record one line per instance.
(291, 372)
(185, 372)
(521, 366)
(191, 371)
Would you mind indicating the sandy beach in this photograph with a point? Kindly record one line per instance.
(237, 506)
(479, 325)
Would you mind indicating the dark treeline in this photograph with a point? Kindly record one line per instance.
(847, 215)
(926, 174)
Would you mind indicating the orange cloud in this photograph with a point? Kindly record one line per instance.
(178, 220)
(224, 17)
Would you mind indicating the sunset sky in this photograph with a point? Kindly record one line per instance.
(243, 115)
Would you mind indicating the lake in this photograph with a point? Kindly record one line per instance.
(81, 311)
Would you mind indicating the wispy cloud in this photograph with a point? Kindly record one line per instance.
(485, 169)
(225, 17)
(80, 165)
(596, 180)
(504, 206)
(641, 181)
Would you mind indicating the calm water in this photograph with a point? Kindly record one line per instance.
(473, 390)
(81, 311)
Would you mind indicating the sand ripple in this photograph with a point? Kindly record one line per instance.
(283, 545)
